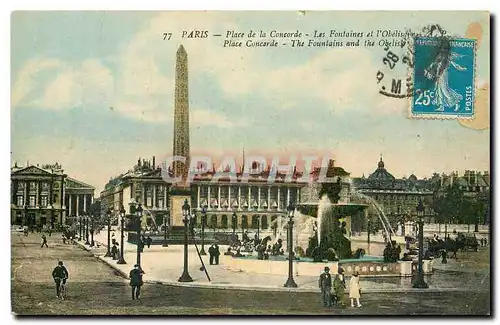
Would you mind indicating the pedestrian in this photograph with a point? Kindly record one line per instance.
(211, 252)
(354, 289)
(114, 252)
(50, 231)
(44, 241)
(63, 239)
(340, 272)
(338, 291)
(443, 257)
(149, 241)
(59, 274)
(217, 254)
(136, 281)
(325, 285)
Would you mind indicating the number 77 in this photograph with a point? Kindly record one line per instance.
(167, 36)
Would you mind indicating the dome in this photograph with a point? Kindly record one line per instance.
(381, 173)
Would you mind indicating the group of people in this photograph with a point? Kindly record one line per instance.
(336, 297)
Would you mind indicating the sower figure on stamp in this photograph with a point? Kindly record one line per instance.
(325, 285)
(136, 281)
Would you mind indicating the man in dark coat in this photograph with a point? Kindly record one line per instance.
(211, 252)
(325, 285)
(136, 281)
(149, 241)
(216, 255)
(44, 241)
(59, 274)
(114, 251)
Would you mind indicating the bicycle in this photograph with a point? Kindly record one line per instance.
(62, 288)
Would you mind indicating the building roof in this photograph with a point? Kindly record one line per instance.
(72, 183)
(381, 173)
(36, 170)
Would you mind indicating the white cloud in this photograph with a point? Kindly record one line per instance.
(204, 117)
(26, 80)
(87, 82)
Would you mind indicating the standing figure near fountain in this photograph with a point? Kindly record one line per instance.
(338, 291)
(325, 285)
(354, 289)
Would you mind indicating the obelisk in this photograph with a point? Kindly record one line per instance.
(180, 191)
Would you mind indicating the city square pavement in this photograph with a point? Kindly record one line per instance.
(165, 265)
(96, 289)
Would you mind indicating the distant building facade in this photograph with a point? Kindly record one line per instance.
(45, 195)
(398, 198)
(255, 201)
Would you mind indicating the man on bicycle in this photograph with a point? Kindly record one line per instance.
(60, 274)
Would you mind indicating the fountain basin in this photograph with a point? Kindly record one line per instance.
(370, 266)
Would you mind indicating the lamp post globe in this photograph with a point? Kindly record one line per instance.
(186, 210)
(108, 216)
(419, 281)
(121, 260)
(203, 222)
(290, 283)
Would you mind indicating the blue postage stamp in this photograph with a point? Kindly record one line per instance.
(443, 76)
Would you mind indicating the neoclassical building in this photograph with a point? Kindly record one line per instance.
(398, 198)
(255, 201)
(45, 195)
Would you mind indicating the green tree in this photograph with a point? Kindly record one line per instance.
(448, 204)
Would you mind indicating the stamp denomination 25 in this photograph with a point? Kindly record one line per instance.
(443, 77)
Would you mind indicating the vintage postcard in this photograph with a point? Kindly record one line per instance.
(250, 163)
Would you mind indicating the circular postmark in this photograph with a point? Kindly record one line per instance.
(401, 86)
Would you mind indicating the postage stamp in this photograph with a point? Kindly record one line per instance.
(443, 78)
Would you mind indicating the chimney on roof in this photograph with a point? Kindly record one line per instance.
(154, 162)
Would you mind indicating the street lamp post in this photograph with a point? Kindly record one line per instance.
(369, 231)
(92, 217)
(108, 215)
(80, 228)
(419, 281)
(290, 283)
(87, 229)
(233, 221)
(121, 260)
(165, 218)
(138, 212)
(203, 221)
(258, 229)
(186, 209)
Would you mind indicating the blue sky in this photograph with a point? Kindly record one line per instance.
(94, 91)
